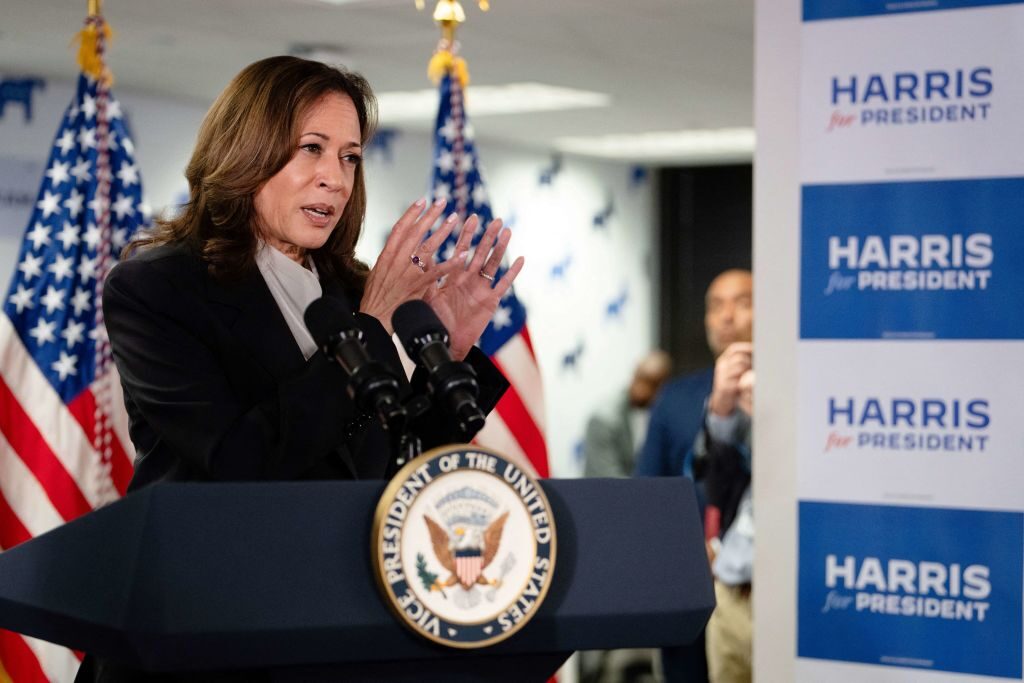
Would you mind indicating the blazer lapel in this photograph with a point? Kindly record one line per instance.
(255, 319)
(252, 314)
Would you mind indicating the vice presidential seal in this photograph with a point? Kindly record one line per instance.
(463, 546)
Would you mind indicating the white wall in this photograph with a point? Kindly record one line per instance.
(553, 226)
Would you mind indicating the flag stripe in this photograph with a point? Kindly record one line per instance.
(520, 368)
(33, 450)
(496, 435)
(83, 409)
(121, 467)
(19, 661)
(24, 494)
(12, 531)
(524, 429)
(525, 333)
(43, 406)
(58, 663)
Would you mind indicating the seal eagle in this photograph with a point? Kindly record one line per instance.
(466, 553)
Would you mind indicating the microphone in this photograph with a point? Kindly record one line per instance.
(452, 383)
(371, 386)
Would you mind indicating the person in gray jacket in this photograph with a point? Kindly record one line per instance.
(613, 437)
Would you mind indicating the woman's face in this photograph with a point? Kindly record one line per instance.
(299, 206)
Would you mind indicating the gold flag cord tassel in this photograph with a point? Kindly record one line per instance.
(445, 61)
(92, 41)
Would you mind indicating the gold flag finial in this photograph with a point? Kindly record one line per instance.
(94, 8)
(449, 14)
(484, 6)
(449, 10)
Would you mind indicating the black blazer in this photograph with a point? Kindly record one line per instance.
(217, 389)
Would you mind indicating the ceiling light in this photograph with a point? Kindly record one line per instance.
(487, 100)
(719, 144)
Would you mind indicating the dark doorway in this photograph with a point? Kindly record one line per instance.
(706, 213)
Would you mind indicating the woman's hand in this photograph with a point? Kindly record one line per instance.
(465, 302)
(405, 269)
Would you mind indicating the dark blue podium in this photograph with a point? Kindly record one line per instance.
(277, 576)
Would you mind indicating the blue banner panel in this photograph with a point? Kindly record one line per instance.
(815, 10)
(911, 587)
(915, 260)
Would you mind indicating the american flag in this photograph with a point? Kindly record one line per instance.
(65, 449)
(516, 426)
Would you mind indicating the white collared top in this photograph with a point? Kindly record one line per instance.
(293, 288)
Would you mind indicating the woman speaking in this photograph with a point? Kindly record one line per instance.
(222, 380)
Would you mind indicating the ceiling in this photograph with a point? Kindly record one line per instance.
(667, 65)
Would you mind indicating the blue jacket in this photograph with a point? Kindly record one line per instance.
(676, 417)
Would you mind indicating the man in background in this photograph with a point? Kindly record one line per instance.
(678, 411)
(614, 436)
(677, 418)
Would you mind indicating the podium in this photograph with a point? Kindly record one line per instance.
(277, 577)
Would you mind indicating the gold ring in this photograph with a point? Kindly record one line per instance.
(489, 278)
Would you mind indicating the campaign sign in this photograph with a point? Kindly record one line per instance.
(914, 260)
(923, 588)
(895, 423)
(815, 10)
(922, 96)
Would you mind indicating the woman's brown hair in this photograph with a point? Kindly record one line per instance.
(249, 135)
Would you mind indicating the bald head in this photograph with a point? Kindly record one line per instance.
(653, 369)
(729, 309)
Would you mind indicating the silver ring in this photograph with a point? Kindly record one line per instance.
(489, 278)
(418, 262)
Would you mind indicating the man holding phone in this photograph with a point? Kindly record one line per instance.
(679, 414)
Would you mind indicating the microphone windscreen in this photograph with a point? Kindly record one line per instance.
(327, 316)
(416, 319)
